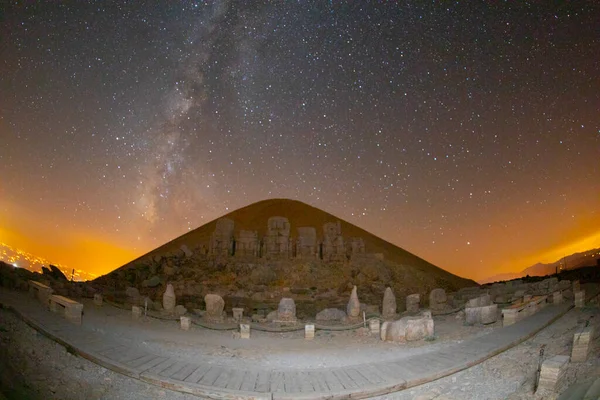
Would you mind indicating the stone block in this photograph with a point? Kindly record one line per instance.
(245, 331)
(472, 315)
(309, 331)
(480, 301)
(489, 314)
(71, 309)
(552, 373)
(98, 299)
(136, 312)
(374, 326)
(509, 316)
(186, 322)
(581, 344)
(557, 298)
(576, 286)
(238, 314)
(579, 298)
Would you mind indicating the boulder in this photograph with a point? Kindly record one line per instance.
(353, 307)
(152, 282)
(437, 299)
(214, 307)
(180, 310)
(408, 329)
(272, 316)
(331, 314)
(388, 308)
(132, 294)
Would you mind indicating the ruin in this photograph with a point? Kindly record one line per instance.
(279, 244)
(277, 241)
(246, 244)
(221, 241)
(306, 244)
(332, 247)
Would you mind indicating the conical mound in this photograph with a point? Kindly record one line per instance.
(253, 259)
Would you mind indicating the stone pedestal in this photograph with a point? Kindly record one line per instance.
(186, 322)
(576, 286)
(553, 370)
(244, 331)
(309, 332)
(580, 298)
(98, 299)
(238, 313)
(581, 344)
(136, 312)
(374, 326)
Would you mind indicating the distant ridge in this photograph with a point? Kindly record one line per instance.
(573, 261)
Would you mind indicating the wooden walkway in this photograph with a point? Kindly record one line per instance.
(220, 382)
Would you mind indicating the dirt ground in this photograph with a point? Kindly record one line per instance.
(34, 367)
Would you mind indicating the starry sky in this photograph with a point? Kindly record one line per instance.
(465, 132)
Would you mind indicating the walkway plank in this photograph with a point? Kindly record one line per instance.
(332, 381)
(223, 378)
(178, 366)
(113, 352)
(292, 385)
(357, 377)
(146, 362)
(249, 381)
(158, 368)
(369, 372)
(211, 376)
(184, 372)
(342, 375)
(198, 373)
(263, 382)
(277, 382)
(236, 379)
(318, 381)
(305, 382)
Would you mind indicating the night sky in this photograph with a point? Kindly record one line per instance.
(467, 133)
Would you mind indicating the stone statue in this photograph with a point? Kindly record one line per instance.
(353, 307)
(214, 307)
(388, 308)
(169, 300)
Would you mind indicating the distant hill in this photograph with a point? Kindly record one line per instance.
(185, 263)
(574, 261)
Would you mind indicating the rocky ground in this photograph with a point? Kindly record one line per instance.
(34, 367)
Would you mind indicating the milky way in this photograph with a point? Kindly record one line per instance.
(466, 133)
